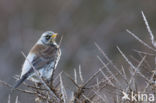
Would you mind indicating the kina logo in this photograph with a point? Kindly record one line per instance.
(138, 97)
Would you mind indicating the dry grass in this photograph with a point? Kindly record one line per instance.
(111, 84)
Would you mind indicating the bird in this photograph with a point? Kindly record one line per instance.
(43, 56)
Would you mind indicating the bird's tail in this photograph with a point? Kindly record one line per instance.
(20, 81)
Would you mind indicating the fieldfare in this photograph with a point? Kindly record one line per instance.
(44, 57)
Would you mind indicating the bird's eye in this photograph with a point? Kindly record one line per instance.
(47, 37)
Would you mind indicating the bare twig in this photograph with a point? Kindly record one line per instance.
(16, 101)
(107, 58)
(63, 91)
(141, 41)
(75, 75)
(102, 98)
(115, 78)
(145, 53)
(80, 74)
(94, 75)
(9, 86)
(136, 70)
(72, 80)
(60, 41)
(149, 30)
(9, 99)
(87, 98)
(106, 77)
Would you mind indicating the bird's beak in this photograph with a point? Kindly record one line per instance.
(54, 36)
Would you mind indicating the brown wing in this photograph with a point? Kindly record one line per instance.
(44, 55)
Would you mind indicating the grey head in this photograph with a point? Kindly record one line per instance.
(47, 37)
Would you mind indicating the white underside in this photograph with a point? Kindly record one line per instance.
(44, 73)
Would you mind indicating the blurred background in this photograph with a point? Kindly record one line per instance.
(81, 22)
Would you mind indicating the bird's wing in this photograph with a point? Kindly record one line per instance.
(44, 56)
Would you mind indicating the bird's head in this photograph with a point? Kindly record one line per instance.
(48, 37)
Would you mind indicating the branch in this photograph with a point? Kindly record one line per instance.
(149, 30)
